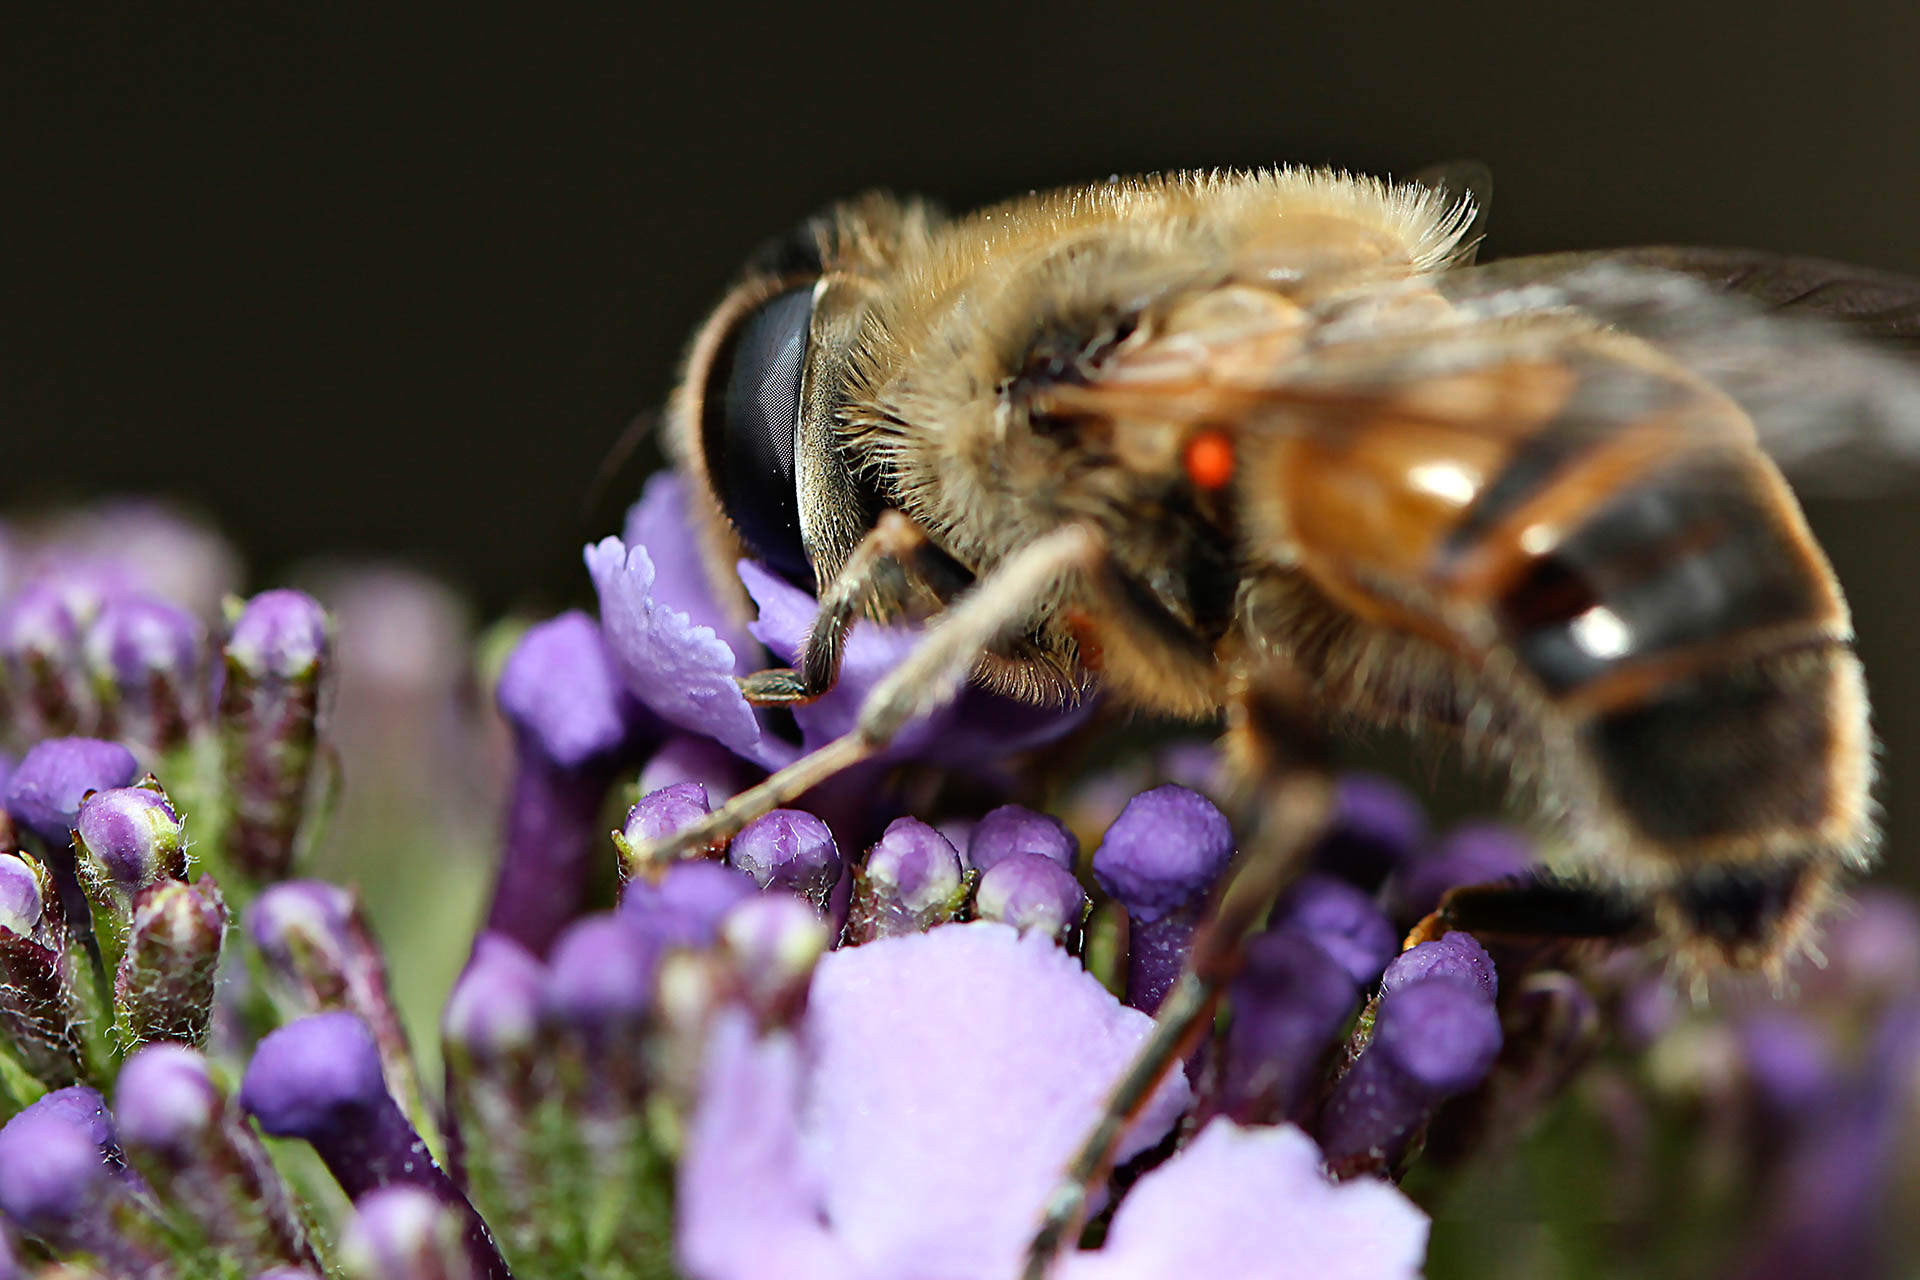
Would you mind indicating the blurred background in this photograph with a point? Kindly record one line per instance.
(394, 283)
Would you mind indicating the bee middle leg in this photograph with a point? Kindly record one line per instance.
(1283, 792)
(1001, 604)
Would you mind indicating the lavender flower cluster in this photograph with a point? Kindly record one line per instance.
(861, 1039)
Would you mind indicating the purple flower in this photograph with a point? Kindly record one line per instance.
(1290, 1003)
(1435, 1034)
(317, 943)
(659, 814)
(319, 1079)
(822, 1156)
(574, 725)
(277, 660)
(679, 651)
(600, 979)
(405, 1233)
(280, 635)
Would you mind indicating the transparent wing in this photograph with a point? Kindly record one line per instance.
(1821, 356)
(1825, 359)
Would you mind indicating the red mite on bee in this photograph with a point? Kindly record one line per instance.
(1269, 448)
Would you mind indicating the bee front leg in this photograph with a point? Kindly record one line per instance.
(895, 563)
(1000, 606)
(1276, 752)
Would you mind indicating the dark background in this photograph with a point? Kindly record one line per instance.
(396, 282)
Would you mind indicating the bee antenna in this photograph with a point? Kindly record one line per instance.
(618, 455)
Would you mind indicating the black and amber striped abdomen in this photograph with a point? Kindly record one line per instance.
(1607, 534)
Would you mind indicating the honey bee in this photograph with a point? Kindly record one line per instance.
(1268, 446)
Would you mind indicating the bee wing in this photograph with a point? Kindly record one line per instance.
(1820, 356)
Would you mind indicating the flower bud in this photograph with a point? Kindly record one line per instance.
(791, 849)
(663, 813)
(1160, 860)
(61, 1180)
(319, 1079)
(1011, 829)
(148, 662)
(1458, 956)
(1433, 1037)
(276, 662)
(133, 835)
(46, 787)
(600, 980)
(40, 662)
(910, 882)
(163, 989)
(1029, 891)
(1344, 920)
(574, 727)
(405, 1233)
(1289, 1003)
(774, 940)
(493, 1012)
(684, 908)
(21, 897)
(316, 941)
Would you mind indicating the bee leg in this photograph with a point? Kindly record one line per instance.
(1535, 906)
(1276, 749)
(895, 563)
(1001, 605)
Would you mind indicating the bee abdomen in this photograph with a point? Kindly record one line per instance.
(1689, 630)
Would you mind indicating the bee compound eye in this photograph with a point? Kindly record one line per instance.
(750, 422)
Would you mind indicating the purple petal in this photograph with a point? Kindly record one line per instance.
(1253, 1202)
(1002, 1028)
(680, 668)
(661, 523)
(560, 689)
(749, 1200)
